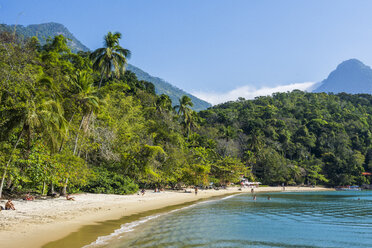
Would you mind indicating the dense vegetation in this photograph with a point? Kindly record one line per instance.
(78, 121)
(45, 30)
(73, 122)
(299, 137)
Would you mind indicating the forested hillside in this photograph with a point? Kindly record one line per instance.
(298, 137)
(78, 122)
(163, 87)
(50, 30)
(44, 31)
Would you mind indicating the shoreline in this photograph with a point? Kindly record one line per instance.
(37, 223)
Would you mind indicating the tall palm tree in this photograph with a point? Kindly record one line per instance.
(89, 103)
(85, 98)
(186, 112)
(110, 59)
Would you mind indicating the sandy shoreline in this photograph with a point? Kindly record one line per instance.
(36, 223)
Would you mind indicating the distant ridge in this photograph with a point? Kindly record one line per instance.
(51, 29)
(351, 76)
(44, 31)
(163, 87)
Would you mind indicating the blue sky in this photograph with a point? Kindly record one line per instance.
(216, 48)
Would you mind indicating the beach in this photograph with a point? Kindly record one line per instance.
(36, 223)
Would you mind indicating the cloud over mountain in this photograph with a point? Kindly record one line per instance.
(249, 92)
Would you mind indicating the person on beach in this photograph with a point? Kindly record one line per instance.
(70, 198)
(143, 191)
(29, 197)
(196, 190)
(9, 205)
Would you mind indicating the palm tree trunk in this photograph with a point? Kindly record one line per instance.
(43, 191)
(77, 135)
(9, 161)
(64, 189)
(100, 82)
(63, 140)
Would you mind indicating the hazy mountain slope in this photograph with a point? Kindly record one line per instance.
(351, 76)
(45, 30)
(51, 29)
(163, 87)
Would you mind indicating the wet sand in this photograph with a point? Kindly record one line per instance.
(36, 223)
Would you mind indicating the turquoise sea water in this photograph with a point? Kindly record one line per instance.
(313, 219)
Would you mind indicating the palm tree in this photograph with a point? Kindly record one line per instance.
(47, 117)
(85, 98)
(89, 103)
(186, 112)
(110, 59)
(163, 103)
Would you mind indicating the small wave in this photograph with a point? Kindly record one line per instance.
(230, 196)
(128, 227)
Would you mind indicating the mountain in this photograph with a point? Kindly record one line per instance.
(51, 29)
(351, 76)
(163, 87)
(44, 31)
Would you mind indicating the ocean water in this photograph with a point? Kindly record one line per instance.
(310, 219)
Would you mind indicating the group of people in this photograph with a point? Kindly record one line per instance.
(28, 197)
(8, 206)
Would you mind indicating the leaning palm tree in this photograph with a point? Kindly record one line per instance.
(110, 59)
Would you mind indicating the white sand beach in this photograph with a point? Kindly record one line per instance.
(35, 223)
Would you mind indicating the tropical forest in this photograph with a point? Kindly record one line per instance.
(80, 122)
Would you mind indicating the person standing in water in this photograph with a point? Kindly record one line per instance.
(254, 197)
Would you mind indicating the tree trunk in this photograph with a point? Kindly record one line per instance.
(63, 140)
(64, 189)
(52, 191)
(100, 82)
(9, 161)
(43, 191)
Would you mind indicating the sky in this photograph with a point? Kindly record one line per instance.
(218, 49)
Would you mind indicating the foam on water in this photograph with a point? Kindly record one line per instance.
(128, 227)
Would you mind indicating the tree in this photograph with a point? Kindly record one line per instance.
(110, 59)
(188, 118)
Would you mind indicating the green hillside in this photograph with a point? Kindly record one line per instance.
(44, 31)
(298, 137)
(163, 87)
(51, 29)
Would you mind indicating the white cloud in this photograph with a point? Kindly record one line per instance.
(249, 92)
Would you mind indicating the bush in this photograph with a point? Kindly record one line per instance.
(108, 182)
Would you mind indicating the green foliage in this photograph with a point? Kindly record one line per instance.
(59, 131)
(299, 137)
(104, 181)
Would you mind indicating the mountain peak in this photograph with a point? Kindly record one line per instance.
(351, 76)
(351, 64)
